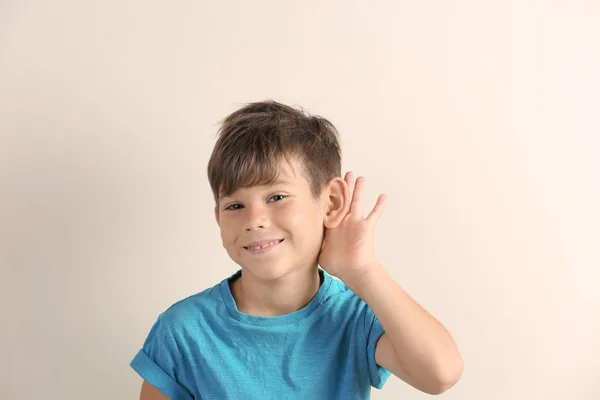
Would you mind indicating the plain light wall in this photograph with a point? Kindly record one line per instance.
(480, 120)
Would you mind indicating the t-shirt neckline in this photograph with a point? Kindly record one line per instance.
(276, 320)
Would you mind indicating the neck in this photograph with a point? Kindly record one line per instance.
(281, 296)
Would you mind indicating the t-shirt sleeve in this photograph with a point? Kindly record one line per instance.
(159, 362)
(374, 331)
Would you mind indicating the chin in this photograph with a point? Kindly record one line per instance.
(267, 272)
(270, 273)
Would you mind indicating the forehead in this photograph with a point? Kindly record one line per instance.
(289, 172)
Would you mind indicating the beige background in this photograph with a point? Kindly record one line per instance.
(480, 121)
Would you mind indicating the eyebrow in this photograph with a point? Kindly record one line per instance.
(280, 181)
(277, 182)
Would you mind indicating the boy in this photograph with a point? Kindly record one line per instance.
(281, 327)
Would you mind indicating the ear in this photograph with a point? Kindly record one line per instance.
(337, 202)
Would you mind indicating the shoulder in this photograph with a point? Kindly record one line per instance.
(199, 302)
(193, 311)
(341, 302)
(185, 325)
(339, 293)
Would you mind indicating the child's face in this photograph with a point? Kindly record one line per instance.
(285, 210)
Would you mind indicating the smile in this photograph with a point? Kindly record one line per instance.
(264, 248)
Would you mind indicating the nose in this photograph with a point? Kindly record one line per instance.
(256, 217)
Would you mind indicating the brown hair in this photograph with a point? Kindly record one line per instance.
(253, 140)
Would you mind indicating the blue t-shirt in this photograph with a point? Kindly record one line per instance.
(202, 347)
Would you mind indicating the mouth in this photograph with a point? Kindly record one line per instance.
(264, 248)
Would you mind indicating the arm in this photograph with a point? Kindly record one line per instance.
(416, 347)
(149, 392)
(160, 361)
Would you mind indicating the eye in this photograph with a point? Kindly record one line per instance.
(236, 206)
(279, 195)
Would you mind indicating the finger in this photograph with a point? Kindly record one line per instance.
(375, 214)
(349, 178)
(350, 181)
(356, 206)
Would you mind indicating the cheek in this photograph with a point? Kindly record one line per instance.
(295, 219)
(307, 221)
(227, 227)
(223, 235)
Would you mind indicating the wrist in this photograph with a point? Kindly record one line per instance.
(362, 281)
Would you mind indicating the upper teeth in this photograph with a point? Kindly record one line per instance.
(264, 245)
